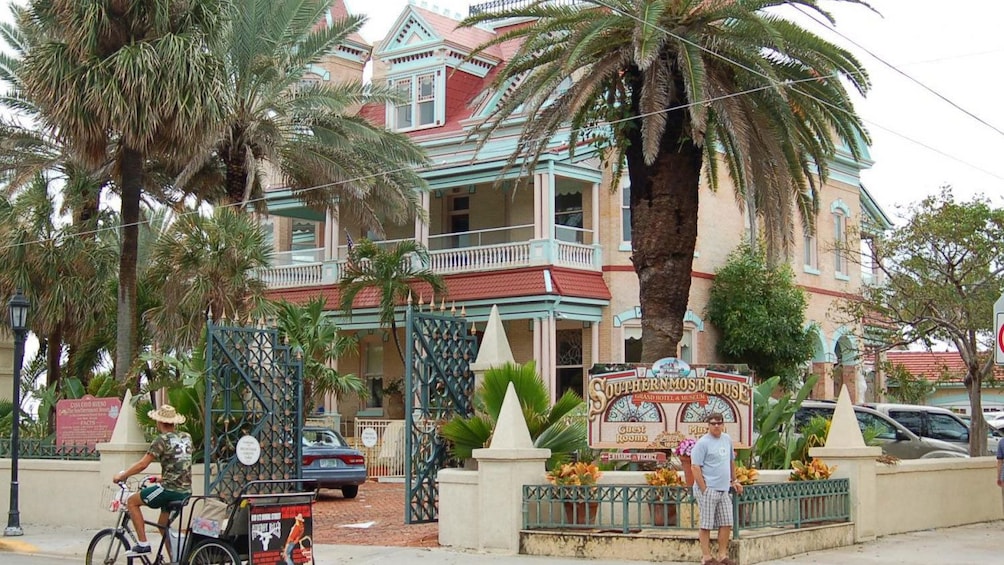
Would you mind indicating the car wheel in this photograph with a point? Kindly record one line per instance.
(350, 491)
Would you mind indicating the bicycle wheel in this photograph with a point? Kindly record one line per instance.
(213, 552)
(107, 547)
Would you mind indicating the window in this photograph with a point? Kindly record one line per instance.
(569, 362)
(626, 213)
(460, 220)
(947, 428)
(418, 107)
(810, 254)
(632, 344)
(881, 428)
(840, 243)
(374, 375)
(568, 214)
(913, 421)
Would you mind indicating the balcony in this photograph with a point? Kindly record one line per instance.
(483, 250)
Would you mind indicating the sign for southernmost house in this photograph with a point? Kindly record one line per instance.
(657, 407)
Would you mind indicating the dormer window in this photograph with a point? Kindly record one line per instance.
(421, 105)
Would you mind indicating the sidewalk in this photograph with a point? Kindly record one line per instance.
(976, 543)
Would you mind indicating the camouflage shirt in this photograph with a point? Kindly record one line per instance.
(173, 450)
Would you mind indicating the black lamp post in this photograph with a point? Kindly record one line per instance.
(18, 322)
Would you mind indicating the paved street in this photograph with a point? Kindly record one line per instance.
(965, 545)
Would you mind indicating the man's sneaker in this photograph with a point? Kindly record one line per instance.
(138, 550)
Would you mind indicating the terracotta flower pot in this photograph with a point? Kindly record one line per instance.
(688, 471)
(664, 513)
(581, 513)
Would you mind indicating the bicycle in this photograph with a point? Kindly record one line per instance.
(112, 545)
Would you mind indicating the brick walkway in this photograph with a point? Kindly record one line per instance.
(379, 503)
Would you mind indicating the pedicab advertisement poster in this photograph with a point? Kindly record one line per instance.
(657, 407)
(281, 534)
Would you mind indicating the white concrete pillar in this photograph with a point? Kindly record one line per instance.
(846, 449)
(494, 350)
(508, 463)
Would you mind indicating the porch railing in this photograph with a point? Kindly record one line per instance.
(631, 507)
(386, 457)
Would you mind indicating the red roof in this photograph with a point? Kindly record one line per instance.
(465, 287)
(446, 27)
(340, 12)
(932, 365)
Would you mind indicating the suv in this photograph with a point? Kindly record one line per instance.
(928, 421)
(891, 436)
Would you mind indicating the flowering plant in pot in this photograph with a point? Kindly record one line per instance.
(578, 508)
(662, 506)
(574, 474)
(685, 447)
(815, 470)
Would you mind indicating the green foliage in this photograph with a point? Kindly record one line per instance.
(777, 443)
(812, 434)
(761, 315)
(317, 338)
(903, 386)
(551, 427)
(942, 273)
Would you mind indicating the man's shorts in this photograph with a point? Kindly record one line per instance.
(715, 507)
(156, 496)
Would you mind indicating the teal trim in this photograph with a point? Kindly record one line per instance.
(319, 71)
(624, 247)
(819, 345)
(841, 277)
(839, 204)
(850, 353)
(874, 218)
(810, 270)
(635, 314)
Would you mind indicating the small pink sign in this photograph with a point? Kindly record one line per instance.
(86, 421)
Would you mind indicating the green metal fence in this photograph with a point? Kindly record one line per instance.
(632, 508)
(42, 449)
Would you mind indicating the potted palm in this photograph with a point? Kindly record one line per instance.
(663, 506)
(578, 506)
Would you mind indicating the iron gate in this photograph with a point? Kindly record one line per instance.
(439, 385)
(254, 387)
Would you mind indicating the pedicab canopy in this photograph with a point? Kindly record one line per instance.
(655, 407)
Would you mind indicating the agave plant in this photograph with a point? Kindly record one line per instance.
(551, 426)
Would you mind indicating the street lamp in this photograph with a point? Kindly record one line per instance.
(18, 322)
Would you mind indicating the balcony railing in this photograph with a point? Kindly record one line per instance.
(502, 5)
(450, 261)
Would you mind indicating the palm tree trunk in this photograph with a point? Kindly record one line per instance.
(236, 180)
(664, 204)
(131, 169)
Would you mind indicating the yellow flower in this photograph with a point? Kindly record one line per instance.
(574, 474)
(815, 470)
(746, 475)
(664, 477)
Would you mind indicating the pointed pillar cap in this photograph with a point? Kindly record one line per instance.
(511, 431)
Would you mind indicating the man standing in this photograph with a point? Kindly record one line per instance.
(714, 469)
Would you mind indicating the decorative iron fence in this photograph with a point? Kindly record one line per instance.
(631, 508)
(42, 449)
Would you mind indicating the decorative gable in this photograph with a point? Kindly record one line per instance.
(410, 31)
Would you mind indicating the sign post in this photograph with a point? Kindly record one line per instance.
(999, 331)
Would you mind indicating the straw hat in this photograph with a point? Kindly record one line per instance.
(167, 414)
(299, 517)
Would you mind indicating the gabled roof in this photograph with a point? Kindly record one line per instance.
(417, 27)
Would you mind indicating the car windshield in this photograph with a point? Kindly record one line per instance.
(326, 438)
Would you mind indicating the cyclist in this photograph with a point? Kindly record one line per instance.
(173, 450)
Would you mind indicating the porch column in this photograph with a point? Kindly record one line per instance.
(594, 336)
(538, 206)
(595, 227)
(330, 236)
(422, 228)
(547, 352)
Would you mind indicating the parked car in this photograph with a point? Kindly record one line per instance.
(994, 433)
(928, 421)
(328, 459)
(893, 437)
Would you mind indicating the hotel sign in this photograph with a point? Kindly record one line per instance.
(657, 407)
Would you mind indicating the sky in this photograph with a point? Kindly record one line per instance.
(920, 141)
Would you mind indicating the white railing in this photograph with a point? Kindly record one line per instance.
(575, 255)
(505, 256)
(386, 457)
(285, 276)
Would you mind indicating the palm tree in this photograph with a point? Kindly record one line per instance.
(392, 274)
(130, 80)
(550, 426)
(311, 135)
(671, 86)
(204, 265)
(317, 337)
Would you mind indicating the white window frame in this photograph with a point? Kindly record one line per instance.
(810, 254)
(413, 83)
(625, 216)
(841, 217)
